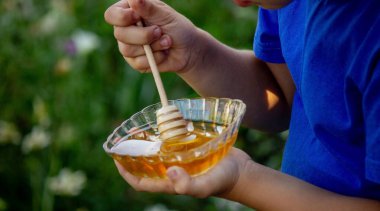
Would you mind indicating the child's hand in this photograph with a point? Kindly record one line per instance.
(171, 36)
(219, 180)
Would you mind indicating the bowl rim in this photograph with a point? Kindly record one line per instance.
(110, 136)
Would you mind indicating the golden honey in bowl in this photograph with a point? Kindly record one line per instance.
(196, 152)
(213, 125)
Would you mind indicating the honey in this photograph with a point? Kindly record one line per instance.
(196, 152)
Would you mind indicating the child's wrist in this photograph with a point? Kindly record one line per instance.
(246, 175)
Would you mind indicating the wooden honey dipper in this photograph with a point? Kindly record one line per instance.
(169, 119)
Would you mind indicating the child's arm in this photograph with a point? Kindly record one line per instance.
(240, 179)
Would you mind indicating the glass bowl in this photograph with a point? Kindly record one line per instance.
(215, 121)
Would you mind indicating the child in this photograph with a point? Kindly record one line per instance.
(316, 65)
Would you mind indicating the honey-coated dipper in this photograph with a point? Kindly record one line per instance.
(169, 119)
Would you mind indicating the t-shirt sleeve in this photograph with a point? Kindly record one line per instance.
(267, 46)
(371, 109)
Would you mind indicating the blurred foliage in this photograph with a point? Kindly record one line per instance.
(64, 87)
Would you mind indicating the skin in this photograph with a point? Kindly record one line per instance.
(266, 88)
(268, 4)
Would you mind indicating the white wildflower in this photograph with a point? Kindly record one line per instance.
(56, 18)
(9, 133)
(85, 41)
(157, 207)
(39, 138)
(67, 182)
(51, 22)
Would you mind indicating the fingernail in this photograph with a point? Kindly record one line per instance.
(164, 42)
(157, 32)
(172, 174)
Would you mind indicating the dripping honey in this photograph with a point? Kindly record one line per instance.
(196, 155)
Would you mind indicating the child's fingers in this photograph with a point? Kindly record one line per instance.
(184, 184)
(120, 14)
(132, 51)
(141, 64)
(134, 35)
(145, 184)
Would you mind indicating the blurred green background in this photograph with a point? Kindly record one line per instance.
(64, 87)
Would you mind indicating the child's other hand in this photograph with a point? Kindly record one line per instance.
(219, 180)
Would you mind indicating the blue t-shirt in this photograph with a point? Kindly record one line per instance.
(332, 48)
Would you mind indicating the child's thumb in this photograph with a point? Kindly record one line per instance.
(181, 180)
